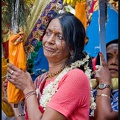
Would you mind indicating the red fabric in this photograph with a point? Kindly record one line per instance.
(5, 47)
(94, 63)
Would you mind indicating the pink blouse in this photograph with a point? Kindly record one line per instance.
(73, 96)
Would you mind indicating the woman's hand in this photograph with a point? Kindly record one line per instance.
(102, 72)
(4, 87)
(19, 78)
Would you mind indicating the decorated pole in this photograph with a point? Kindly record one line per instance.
(17, 54)
(102, 26)
(15, 16)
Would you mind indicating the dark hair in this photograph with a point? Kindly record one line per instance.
(112, 42)
(109, 43)
(74, 35)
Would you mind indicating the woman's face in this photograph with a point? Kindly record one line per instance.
(54, 45)
(112, 59)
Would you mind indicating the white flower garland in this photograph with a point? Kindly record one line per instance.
(52, 87)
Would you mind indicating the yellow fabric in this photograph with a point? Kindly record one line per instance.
(114, 83)
(17, 57)
(80, 12)
(5, 107)
(36, 11)
(114, 3)
(29, 2)
(72, 2)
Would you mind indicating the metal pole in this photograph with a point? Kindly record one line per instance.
(102, 26)
(15, 16)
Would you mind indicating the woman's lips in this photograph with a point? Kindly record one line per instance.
(113, 70)
(49, 49)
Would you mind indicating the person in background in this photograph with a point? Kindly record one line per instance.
(107, 75)
(62, 93)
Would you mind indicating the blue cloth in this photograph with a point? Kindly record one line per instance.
(40, 64)
(114, 100)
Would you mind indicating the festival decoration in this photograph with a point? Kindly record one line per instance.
(17, 57)
(15, 14)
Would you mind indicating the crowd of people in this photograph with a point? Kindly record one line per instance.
(64, 92)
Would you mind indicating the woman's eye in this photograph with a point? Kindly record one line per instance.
(109, 57)
(60, 37)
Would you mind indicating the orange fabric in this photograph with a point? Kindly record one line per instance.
(80, 12)
(17, 57)
(5, 106)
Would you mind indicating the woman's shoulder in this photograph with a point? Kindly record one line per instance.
(75, 80)
(76, 75)
(77, 72)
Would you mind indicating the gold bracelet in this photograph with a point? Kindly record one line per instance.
(29, 94)
(20, 115)
(103, 95)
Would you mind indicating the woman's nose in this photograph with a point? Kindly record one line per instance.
(115, 61)
(51, 39)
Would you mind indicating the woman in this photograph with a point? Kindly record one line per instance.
(106, 75)
(62, 93)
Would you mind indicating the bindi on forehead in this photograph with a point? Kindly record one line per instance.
(112, 46)
(54, 29)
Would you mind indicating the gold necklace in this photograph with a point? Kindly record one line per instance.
(54, 74)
